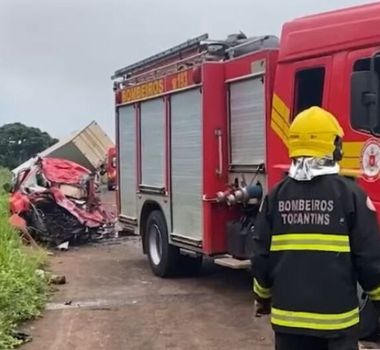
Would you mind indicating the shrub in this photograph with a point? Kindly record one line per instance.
(22, 291)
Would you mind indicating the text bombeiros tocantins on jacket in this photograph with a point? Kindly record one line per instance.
(306, 211)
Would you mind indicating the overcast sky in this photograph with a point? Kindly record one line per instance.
(57, 56)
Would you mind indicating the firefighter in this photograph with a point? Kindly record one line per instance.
(316, 236)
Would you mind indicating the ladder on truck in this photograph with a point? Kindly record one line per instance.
(189, 54)
(176, 58)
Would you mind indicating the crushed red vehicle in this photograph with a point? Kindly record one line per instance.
(57, 200)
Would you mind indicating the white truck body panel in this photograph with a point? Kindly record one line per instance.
(127, 161)
(186, 164)
(88, 147)
(247, 125)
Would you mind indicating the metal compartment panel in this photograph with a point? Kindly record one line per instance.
(127, 155)
(247, 122)
(186, 164)
(153, 143)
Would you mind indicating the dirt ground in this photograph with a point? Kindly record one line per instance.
(112, 301)
(116, 303)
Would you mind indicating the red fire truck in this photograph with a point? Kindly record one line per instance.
(111, 168)
(202, 130)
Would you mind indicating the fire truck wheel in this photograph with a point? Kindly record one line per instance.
(369, 316)
(189, 266)
(163, 257)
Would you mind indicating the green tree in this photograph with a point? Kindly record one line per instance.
(19, 142)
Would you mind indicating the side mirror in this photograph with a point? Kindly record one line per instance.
(7, 187)
(365, 101)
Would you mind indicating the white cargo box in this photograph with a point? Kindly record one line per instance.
(87, 147)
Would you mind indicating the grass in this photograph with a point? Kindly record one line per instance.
(5, 176)
(22, 291)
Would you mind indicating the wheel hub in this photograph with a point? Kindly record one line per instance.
(155, 244)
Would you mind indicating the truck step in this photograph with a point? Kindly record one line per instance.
(365, 347)
(368, 346)
(232, 263)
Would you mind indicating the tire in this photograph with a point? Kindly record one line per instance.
(190, 266)
(37, 225)
(163, 257)
(369, 316)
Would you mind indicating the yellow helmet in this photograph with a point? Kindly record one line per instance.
(313, 134)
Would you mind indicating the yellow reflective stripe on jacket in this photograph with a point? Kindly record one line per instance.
(374, 294)
(311, 241)
(315, 321)
(262, 292)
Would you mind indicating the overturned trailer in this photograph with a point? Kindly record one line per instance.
(87, 147)
(56, 200)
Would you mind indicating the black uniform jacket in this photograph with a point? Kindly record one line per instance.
(313, 241)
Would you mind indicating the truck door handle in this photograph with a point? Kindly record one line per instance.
(219, 134)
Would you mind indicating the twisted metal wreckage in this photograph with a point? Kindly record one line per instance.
(55, 201)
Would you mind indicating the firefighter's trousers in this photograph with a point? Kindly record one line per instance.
(301, 342)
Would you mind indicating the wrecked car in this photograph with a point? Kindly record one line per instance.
(56, 200)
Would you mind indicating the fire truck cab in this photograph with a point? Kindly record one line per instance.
(202, 129)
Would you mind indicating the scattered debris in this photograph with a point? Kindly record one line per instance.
(22, 336)
(54, 201)
(57, 279)
(51, 278)
(63, 246)
(41, 273)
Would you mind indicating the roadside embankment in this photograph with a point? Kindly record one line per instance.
(22, 290)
